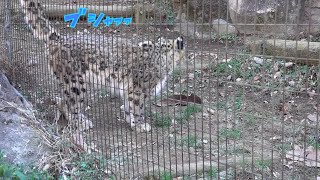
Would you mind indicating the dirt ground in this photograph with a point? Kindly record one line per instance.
(250, 115)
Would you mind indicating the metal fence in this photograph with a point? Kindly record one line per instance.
(243, 104)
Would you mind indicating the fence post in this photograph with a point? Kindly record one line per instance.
(7, 29)
(8, 38)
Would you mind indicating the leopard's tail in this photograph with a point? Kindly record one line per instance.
(38, 22)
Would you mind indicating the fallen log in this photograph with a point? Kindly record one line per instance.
(302, 52)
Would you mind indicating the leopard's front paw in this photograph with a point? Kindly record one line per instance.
(81, 122)
(144, 127)
(139, 125)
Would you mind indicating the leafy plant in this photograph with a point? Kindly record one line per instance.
(314, 143)
(228, 37)
(165, 176)
(250, 119)
(18, 172)
(161, 121)
(176, 74)
(227, 68)
(263, 164)
(167, 7)
(191, 141)
(213, 172)
(87, 167)
(231, 133)
(188, 112)
(238, 101)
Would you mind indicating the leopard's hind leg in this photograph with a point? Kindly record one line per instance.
(74, 94)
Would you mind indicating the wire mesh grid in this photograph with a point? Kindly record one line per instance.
(243, 105)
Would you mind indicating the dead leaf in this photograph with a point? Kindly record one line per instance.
(288, 64)
(256, 78)
(287, 117)
(107, 171)
(285, 108)
(312, 93)
(178, 178)
(179, 99)
(211, 111)
(221, 94)
(182, 80)
(317, 108)
(275, 138)
(276, 174)
(277, 75)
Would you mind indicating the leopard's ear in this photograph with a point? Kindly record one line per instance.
(180, 43)
(161, 40)
(146, 45)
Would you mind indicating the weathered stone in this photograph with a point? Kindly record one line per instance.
(221, 26)
(193, 30)
(258, 60)
(312, 13)
(20, 143)
(205, 11)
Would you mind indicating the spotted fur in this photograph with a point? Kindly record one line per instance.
(133, 73)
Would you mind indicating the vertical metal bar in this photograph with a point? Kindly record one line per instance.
(7, 30)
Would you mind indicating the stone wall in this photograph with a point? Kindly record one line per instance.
(278, 17)
(206, 10)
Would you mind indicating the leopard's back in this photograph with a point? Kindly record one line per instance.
(136, 72)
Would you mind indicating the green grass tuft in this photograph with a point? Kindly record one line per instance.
(87, 167)
(188, 112)
(165, 176)
(213, 172)
(161, 121)
(263, 164)
(18, 172)
(230, 133)
(191, 141)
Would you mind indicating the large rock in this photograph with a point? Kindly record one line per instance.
(20, 143)
(204, 11)
(221, 26)
(274, 16)
(192, 29)
(312, 13)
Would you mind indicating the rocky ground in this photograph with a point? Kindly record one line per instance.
(20, 142)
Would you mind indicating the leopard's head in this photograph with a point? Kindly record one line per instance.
(169, 47)
(176, 47)
(146, 45)
(169, 44)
